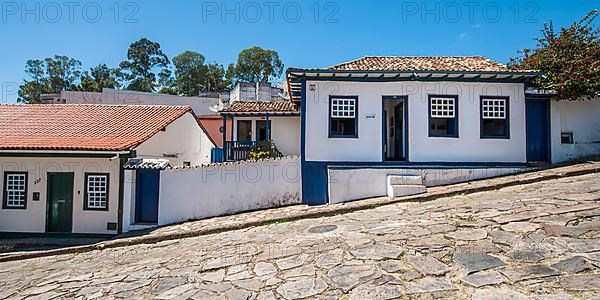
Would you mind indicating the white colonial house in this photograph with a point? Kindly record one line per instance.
(63, 166)
(388, 125)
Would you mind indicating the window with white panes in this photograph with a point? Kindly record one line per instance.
(443, 116)
(343, 120)
(96, 191)
(495, 117)
(15, 190)
(442, 107)
(343, 108)
(493, 108)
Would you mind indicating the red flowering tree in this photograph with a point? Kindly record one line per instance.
(569, 59)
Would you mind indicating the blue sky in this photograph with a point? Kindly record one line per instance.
(310, 33)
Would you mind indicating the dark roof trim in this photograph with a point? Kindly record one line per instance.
(319, 72)
(261, 114)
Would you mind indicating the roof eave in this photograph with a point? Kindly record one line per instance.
(294, 72)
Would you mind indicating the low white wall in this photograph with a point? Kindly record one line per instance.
(355, 184)
(582, 118)
(224, 189)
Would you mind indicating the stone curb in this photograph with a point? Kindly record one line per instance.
(326, 211)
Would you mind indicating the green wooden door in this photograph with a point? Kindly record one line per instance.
(59, 216)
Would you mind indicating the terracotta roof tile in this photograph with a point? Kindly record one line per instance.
(82, 126)
(421, 63)
(253, 107)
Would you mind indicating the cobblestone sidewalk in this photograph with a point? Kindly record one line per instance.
(539, 241)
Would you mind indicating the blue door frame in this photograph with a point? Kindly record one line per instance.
(146, 196)
(537, 114)
(384, 134)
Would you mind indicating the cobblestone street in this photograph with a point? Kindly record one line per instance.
(538, 241)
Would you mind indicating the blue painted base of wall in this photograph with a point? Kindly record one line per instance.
(315, 180)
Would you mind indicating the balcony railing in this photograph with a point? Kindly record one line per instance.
(235, 151)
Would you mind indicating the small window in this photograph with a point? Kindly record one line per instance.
(343, 121)
(495, 117)
(96, 191)
(443, 116)
(244, 131)
(566, 138)
(15, 190)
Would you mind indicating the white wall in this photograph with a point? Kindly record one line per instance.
(200, 105)
(368, 146)
(285, 133)
(183, 138)
(33, 219)
(223, 189)
(354, 184)
(582, 118)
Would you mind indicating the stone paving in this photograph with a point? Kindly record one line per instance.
(536, 241)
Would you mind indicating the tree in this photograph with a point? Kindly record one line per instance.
(100, 77)
(193, 75)
(570, 60)
(145, 62)
(190, 72)
(258, 65)
(51, 75)
(217, 78)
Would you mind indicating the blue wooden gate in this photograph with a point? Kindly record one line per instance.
(314, 183)
(217, 155)
(146, 195)
(538, 130)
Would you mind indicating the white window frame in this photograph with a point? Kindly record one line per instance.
(343, 108)
(97, 191)
(15, 190)
(493, 108)
(442, 107)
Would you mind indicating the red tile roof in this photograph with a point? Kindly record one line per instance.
(255, 107)
(422, 63)
(82, 126)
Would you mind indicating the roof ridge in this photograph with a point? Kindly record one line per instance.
(407, 56)
(427, 56)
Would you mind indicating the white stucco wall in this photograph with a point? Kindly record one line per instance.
(469, 147)
(285, 133)
(183, 138)
(201, 105)
(223, 189)
(582, 118)
(33, 218)
(354, 184)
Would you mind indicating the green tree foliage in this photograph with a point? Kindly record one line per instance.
(100, 77)
(190, 72)
(148, 69)
(51, 75)
(570, 59)
(193, 75)
(218, 78)
(258, 65)
(146, 64)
